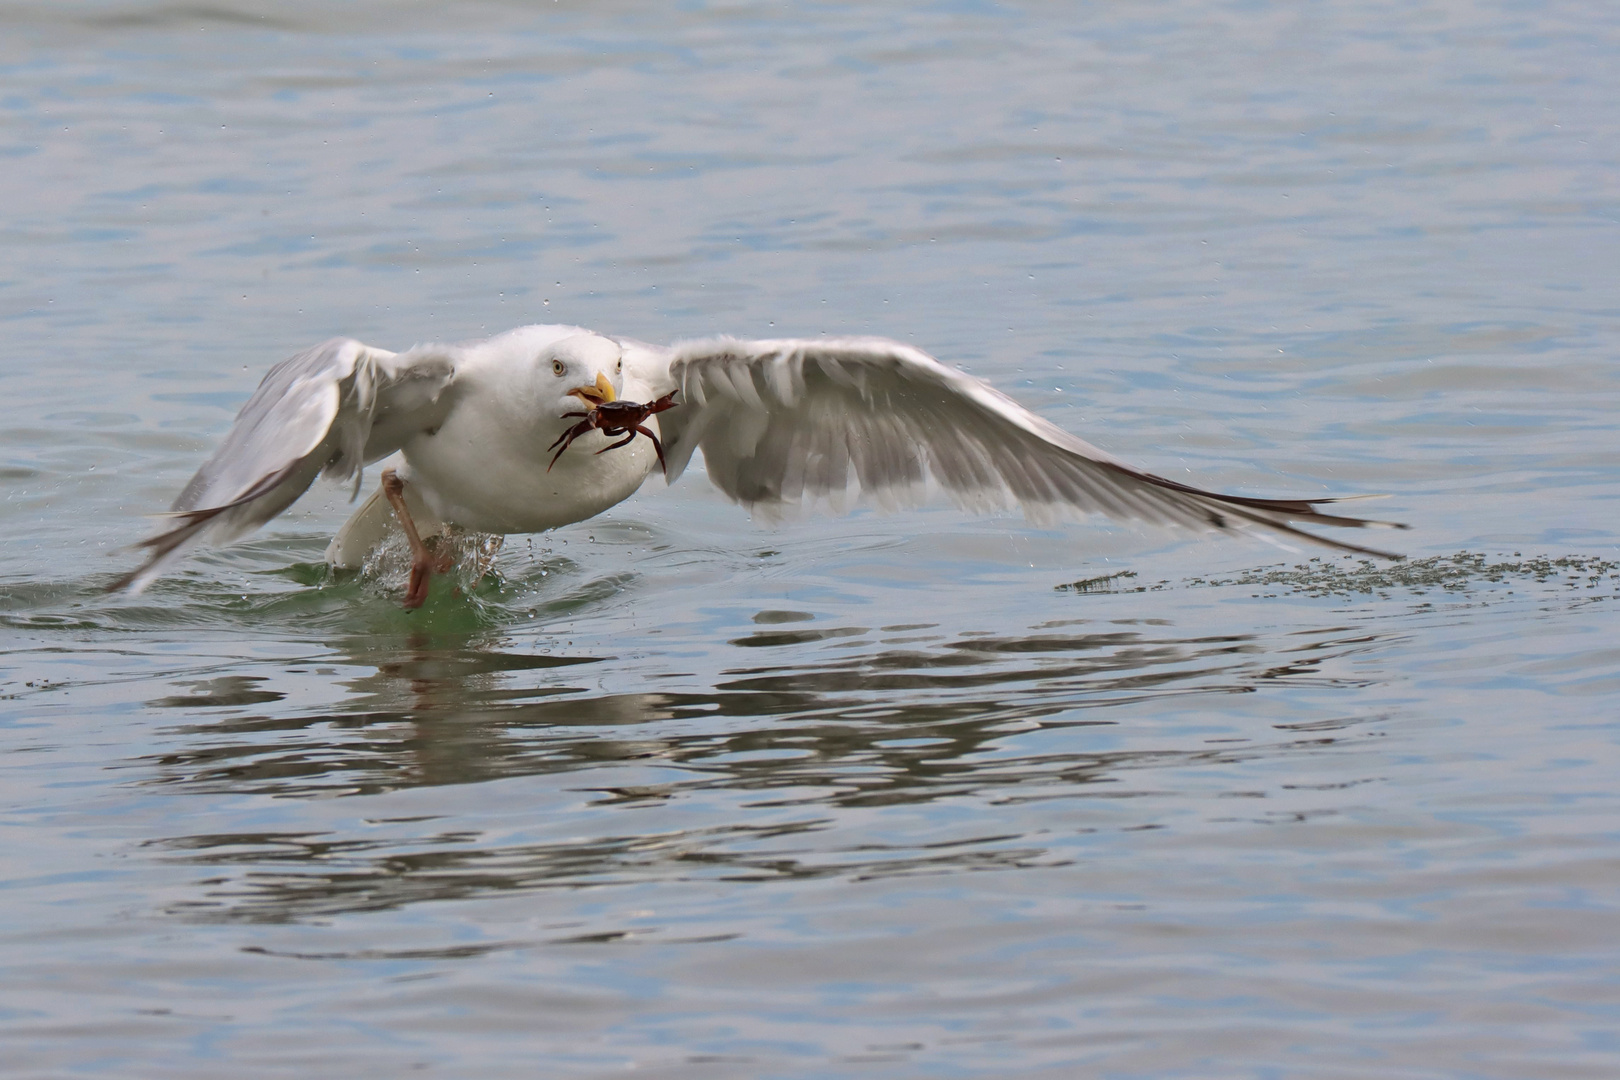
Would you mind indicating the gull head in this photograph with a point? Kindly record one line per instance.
(588, 369)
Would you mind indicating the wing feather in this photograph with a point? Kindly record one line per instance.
(333, 409)
(786, 422)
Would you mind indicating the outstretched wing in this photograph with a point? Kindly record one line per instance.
(789, 421)
(331, 409)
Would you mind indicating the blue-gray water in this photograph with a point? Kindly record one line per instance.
(685, 796)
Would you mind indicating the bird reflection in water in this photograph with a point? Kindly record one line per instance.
(788, 745)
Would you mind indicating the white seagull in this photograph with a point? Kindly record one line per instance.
(538, 427)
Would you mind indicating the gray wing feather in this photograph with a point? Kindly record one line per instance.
(787, 422)
(331, 409)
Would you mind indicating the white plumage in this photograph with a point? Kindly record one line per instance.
(780, 423)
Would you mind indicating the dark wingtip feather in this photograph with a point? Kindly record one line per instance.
(165, 546)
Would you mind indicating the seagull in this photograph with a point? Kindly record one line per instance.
(544, 426)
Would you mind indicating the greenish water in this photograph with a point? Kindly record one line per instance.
(677, 793)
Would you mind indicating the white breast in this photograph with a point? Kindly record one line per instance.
(486, 467)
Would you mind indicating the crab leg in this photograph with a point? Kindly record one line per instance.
(614, 446)
(658, 447)
(566, 439)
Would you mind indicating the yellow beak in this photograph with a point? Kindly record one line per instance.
(598, 394)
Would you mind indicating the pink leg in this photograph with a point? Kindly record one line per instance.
(423, 562)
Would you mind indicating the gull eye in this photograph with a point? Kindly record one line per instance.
(557, 367)
(619, 366)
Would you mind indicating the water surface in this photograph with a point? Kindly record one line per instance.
(921, 795)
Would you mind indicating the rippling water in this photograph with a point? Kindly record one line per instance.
(923, 795)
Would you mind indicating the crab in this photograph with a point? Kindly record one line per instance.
(615, 418)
